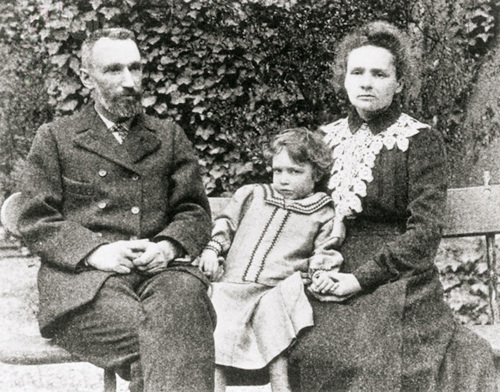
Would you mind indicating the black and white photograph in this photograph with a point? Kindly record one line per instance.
(249, 195)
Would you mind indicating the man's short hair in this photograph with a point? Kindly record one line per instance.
(117, 33)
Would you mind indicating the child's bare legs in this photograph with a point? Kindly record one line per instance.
(220, 379)
(278, 374)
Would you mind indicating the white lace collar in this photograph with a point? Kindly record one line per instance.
(354, 156)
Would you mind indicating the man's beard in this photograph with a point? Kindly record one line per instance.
(124, 106)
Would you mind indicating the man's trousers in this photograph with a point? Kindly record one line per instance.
(155, 331)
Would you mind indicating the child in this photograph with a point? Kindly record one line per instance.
(269, 234)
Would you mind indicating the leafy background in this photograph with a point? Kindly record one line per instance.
(233, 73)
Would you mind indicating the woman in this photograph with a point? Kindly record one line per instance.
(391, 330)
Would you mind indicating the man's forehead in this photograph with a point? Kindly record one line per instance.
(108, 50)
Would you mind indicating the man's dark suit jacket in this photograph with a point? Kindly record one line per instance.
(82, 189)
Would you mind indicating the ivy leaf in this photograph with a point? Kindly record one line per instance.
(484, 37)
(197, 99)
(53, 47)
(130, 3)
(160, 29)
(68, 88)
(176, 98)
(149, 101)
(95, 3)
(156, 76)
(161, 108)
(165, 60)
(205, 133)
(69, 106)
(209, 184)
(183, 80)
(242, 169)
(202, 147)
(61, 35)
(480, 288)
(221, 70)
(217, 172)
(172, 88)
(154, 39)
(74, 64)
(60, 60)
(199, 109)
(478, 12)
(110, 12)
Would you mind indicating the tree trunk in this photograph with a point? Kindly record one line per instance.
(480, 151)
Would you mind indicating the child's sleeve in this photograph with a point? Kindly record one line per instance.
(228, 221)
(325, 258)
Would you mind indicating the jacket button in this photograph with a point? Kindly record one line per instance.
(135, 210)
(135, 177)
(102, 172)
(102, 205)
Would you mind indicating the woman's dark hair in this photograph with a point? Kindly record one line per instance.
(383, 35)
(303, 146)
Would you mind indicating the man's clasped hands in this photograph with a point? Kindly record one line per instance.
(124, 256)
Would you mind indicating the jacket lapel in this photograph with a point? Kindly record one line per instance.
(140, 141)
(92, 135)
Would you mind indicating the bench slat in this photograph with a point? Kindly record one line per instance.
(9, 213)
(492, 334)
(217, 204)
(32, 350)
(473, 211)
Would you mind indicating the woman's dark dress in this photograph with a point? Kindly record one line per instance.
(398, 335)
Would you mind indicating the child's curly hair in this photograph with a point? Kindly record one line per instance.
(303, 146)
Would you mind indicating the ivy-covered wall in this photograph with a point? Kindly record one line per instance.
(232, 73)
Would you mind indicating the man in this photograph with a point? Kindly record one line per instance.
(115, 208)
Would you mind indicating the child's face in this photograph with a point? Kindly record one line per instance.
(293, 180)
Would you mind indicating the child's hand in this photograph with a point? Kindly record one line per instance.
(209, 264)
(323, 283)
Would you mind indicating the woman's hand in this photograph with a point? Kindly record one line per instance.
(322, 283)
(347, 284)
(344, 287)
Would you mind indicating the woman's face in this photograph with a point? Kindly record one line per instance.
(371, 80)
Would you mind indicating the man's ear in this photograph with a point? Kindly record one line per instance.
(86, 78)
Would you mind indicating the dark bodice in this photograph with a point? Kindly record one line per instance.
(398, 212)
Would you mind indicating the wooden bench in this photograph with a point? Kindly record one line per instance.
(470, 212)
(475, 211)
